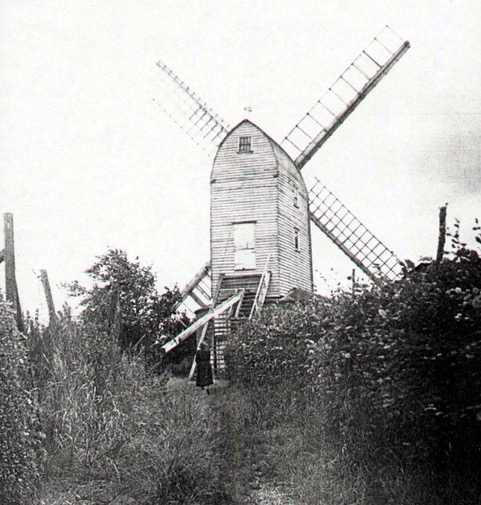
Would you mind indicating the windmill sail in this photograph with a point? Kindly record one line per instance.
(351, 236)
(330, 111)
(196, 294)
(326, 211)
(190, 112)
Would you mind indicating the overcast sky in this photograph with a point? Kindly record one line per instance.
(88, 161)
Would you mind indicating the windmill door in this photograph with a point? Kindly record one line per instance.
(244, 246)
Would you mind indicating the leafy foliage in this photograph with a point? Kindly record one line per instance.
(19, 427)
(396, 370)
(124, 300)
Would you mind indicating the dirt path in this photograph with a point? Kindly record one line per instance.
(263, 492)
(71, 491)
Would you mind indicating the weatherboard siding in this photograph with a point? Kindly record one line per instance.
(257, 187)
(243, 189)
(295, 266)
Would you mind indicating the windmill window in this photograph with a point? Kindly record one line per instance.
(296, 198)
(244, 246)
(296, 239)
(245, 145)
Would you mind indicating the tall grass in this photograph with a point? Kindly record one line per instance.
(113, 429)
(291, 437)
(82, 383)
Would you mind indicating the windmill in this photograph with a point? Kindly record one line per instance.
(260, 206)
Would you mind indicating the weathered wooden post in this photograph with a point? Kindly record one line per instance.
(442, 233)
(11, 290)
(52, 314)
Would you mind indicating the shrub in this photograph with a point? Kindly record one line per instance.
(19, 431)
(395, 372)
(124, 301)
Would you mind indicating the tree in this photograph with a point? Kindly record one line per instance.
(124, 300)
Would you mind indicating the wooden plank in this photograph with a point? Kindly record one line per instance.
(213, 312)
(261, 293)
(9, 259)
(442, 233)
(201, 339)
(19, 318)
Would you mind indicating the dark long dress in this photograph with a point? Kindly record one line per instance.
(204, 368)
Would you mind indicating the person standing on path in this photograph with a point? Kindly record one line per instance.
(204, 368)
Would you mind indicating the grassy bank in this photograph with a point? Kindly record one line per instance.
(352, 400)
(301, 457)
(93, 425)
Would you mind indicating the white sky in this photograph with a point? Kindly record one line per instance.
(89, 162)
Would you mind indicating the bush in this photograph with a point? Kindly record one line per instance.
(20, 454)
(124, 301)
(395, 373)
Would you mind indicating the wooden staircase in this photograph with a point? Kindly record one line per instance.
(230, 321)
(238, 299)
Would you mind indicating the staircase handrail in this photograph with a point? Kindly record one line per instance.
(261, 293)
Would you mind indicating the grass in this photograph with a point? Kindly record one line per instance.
(114, 433)
(314, 467)
(179, 446)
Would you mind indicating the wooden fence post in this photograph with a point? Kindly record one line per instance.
(442, 233)
(52, 314)
(11, 289)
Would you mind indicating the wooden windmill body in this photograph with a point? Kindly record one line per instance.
(260, 237)
(259, 214)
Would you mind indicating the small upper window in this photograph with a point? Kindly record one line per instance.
(245, 145)
(296, 197)
(296, 239)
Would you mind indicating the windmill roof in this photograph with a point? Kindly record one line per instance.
(281, 155)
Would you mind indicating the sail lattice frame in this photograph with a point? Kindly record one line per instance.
(351, 236)
(342, 98)
(190, 112)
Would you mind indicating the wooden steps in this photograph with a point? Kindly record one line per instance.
(229, 321)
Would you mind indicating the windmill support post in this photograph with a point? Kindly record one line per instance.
(8, 255)
(199, 343)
